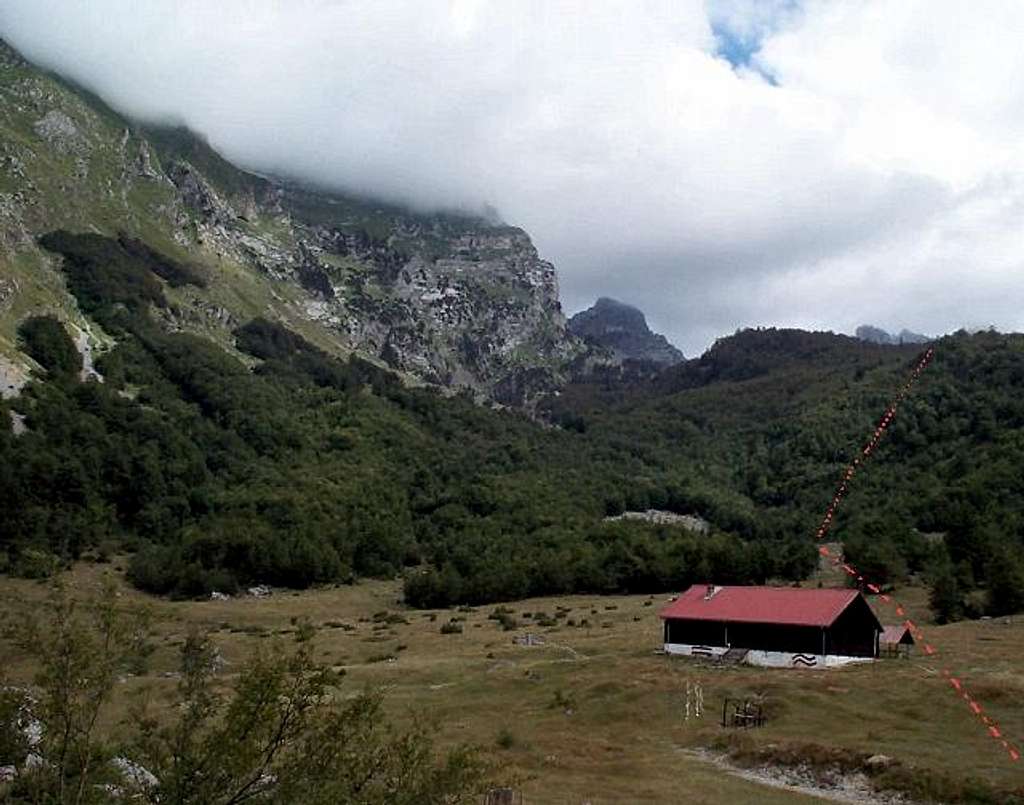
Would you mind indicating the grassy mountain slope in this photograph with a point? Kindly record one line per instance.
(452, 299)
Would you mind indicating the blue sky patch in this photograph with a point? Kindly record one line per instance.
(739, 52)
(740, 29)
(734, 49)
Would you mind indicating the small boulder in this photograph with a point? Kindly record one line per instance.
(61, 132)
(138, 776)
(878, 762)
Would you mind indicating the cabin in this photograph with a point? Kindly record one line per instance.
(896, 641)
(779, 627)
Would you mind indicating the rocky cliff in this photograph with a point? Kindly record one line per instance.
(452, 299)
(623, 330)
(877, 335)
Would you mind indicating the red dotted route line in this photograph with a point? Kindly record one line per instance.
(956, 683)
(869, 448)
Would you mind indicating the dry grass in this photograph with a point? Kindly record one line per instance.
(596, 714)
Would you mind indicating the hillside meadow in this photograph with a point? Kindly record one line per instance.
(596, 713)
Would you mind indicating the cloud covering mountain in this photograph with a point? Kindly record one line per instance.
(726, 164)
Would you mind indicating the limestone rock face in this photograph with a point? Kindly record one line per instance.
(454, 299)
(199, 195)
(482, 310)
(623, 330)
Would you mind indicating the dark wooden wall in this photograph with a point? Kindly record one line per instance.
(761, 636)
(695, 633)
(854, 632)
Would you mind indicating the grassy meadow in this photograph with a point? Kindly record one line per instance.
(595, 714)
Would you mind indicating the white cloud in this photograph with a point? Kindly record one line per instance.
(879, 181)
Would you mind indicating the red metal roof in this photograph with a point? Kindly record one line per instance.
(793, 606)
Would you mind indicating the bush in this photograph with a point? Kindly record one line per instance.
(35, 564)
(451, 628)
(505, 739)
(276, 731)
(560, 700)
(375, 658)
(389, 618)
(46, 341)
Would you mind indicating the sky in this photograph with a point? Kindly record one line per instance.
(719, 164)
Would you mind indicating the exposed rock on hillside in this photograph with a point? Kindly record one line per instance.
(691, 522)
(61, 133)
(623, 330)
(12, 377)
(876, 335)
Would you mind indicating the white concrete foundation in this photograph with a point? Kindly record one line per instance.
(695, 651)
(769, 659)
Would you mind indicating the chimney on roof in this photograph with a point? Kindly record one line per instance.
(710, 592)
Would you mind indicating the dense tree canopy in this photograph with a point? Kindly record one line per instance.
(774, 416)
(310, 468)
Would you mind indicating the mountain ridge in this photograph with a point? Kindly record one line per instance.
(455, 300)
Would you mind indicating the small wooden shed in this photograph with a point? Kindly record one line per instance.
(896, 641)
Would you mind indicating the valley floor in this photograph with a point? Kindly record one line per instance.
(595, 714)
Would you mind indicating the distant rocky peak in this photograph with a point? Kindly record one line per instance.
(616, 313)
(877, 335)
(623, 330)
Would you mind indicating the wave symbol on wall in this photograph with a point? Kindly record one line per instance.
(805, 660)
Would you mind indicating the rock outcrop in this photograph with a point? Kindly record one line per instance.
(623, 330)
(876, 335)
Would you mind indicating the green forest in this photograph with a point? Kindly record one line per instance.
(281, 464)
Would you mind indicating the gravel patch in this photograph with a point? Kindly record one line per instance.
(830, 786)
